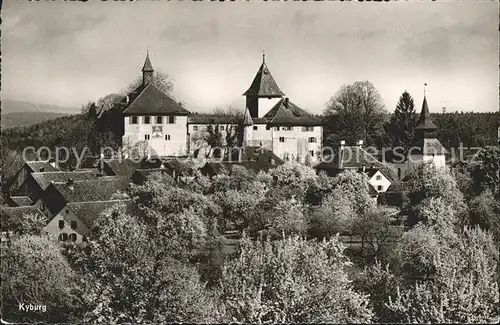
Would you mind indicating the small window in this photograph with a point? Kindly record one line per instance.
(72, 237)
(277, 128)
(171, 119)
(312, 140)
(61, 224)
(195, 128)
(380, 188)
(134, 120)
(379, 177)
(73, 224)
(147, 120)
(268, 127)
(282, 139)
(255, 127)
(308, 128)
(167, 137)
(85, 239)
(311, 152)
(159, 119)
(288, 128)
(222, 127)
(67, 211)
(146, 136)
(63, 236)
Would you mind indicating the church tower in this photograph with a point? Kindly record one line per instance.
(263, 93)
(426, 146)
(147, 71)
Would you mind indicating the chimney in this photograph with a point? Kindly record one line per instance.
(70, 183)
(342, 144)
(127, 100)
(360, 143)
(364, 168)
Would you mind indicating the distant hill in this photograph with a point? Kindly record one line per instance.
(14, 106)
(27, 118)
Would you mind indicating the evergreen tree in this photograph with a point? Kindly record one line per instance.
(401, 127)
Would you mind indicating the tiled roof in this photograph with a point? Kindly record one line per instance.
(37, 166)
(424, 121)
(287, 113)
(44, 179)
(199, 118)
(92, 190)
(15, 213)
(123, 167)
(266, 158)
(88, 212)
(153, 101)
(21, 201)
(263, 84)
(140, 175)
(350, 157)
(427, 146)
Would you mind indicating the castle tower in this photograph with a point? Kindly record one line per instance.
(263, 93)
(147, 71)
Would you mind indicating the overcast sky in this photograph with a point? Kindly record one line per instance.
(67, 53)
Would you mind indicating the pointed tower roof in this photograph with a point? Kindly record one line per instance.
(263, 85)
(425, 122)
(147, 64)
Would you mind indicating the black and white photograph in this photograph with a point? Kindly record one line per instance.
(250, 162)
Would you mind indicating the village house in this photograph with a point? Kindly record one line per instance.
(25, 171)
(76, 219)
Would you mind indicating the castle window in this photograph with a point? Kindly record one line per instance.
(222, 127)
(146, 136)
(134, 120)
(308, 128)
(159, 119)
(171, 120)
(311, 152)
(73, 224)
(312, 140)
(63, 236)
(72, 237)
(147, 119)
(195, 128)
(277, 128)
(255, 127)
(287, 128)
(282, 139)
(61, 224)
(167, 137)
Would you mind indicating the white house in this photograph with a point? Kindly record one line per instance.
(151, 117)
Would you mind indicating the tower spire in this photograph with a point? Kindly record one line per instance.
(147, 70)
(263, 57)
(425, 88)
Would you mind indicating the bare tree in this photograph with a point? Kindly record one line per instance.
(160, 79)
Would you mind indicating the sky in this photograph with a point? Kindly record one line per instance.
(69, 53)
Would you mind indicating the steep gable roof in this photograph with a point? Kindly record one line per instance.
(45, 178)
(88, 212)
(123, 167)
(37, 166)
(287, 113)
(264, 85)
(148, 67)
(153, 101)
(21, 201)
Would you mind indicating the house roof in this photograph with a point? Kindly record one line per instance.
(426, 146)
(264, 85)
(153, 101)
(88, 212)
(287, 113)
(356, 157)
(123, 167)
(265, 157)
(37, 166)
(21, 201)
(424, 121)
(44, 179)
(140, 175)
(16, 213)
(200, 118)
(91, 190)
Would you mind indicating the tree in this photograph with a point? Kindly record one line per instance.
(160, 79)
(131, 275)
(35, 273)
(293, 177)
(355, 113)
(401, 127)
(426, 181)
(290, 281)
(486, 173)
(484, 211)
(462, 288)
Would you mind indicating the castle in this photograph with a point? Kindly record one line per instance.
(270, 121)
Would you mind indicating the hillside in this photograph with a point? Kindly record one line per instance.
(14, 106)
(27, 118)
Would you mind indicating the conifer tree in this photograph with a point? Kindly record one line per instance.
(401, 127)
